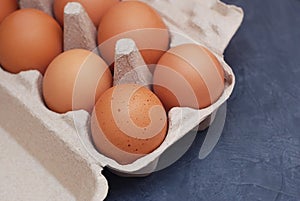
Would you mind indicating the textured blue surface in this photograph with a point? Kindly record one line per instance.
(258, 156)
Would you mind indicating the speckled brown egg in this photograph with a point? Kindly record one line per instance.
(135, 20)
(7, 7)
(128, 122)
(30, 39)
(94, 8)
(188, 75)
(75, 80)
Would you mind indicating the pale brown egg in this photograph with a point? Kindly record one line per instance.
(7, 7)
(75, 80)
(135, 20)
(29, 39)
(128, 122)
(94, 8)
(188, 75)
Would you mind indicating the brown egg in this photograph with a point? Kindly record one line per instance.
(75, 80)
(128, 122)
(135, 20)
(7, 7)
(188, 75)
(29, 39)
(94, 8)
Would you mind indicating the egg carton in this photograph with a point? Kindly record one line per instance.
(62, 142)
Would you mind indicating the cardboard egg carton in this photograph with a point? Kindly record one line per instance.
(62, 142)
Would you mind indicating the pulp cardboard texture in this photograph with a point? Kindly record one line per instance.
(130, 68)
(44, 5)
(79, 30)
(61, 145)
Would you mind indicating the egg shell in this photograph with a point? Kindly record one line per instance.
(135, 20)
(75, 80)
(94, 8)
(30, 39)
(128, 122)
(188, 75)
(7, 7)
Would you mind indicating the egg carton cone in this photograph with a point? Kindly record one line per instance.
(130, 67)
(79, 30)
(43, 5)
(61, 144)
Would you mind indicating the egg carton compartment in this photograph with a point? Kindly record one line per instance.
(62, 144)
(181, 122)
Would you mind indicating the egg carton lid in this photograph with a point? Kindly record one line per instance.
(64, 141)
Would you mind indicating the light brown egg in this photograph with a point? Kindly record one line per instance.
(75, 80)
(7, 7)
(135, 20)
(188, 75)
(94, 8)
(128, 122)
(29, 39)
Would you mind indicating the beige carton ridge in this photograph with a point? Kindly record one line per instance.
(43, 5)
(129, 66)
(208, 22)
(79, 30)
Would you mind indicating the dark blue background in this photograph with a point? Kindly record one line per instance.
(258, 156)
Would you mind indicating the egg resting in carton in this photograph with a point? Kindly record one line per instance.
(210, 23)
